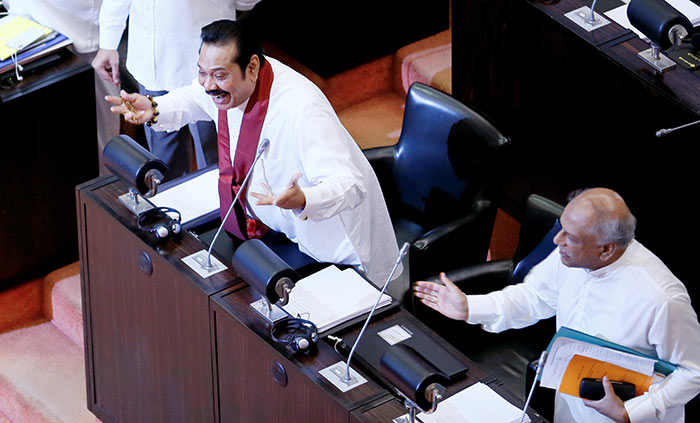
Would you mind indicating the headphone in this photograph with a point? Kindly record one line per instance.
(297, 335)
(163, 222)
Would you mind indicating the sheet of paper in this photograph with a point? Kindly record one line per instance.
(687, 8)
(619, 16)
(193, 198)
(475, 404)
(563, 350)
(331, 296)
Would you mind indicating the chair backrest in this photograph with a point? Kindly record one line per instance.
(443, 154)
(539, 227)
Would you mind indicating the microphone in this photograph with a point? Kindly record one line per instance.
(662, 132)
(538, 372)
(264, 144)
(402, 253)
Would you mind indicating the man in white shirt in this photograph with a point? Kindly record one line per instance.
(163, 42)
(603, 282)
(313, 183)
(77, 20)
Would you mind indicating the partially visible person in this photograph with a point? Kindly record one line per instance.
(313, 183)
(163, 43)
(603, 282)
(77, 20)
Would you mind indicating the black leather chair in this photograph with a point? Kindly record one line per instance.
(440, 183)
(506, 355)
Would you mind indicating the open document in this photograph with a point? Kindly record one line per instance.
(476, 404)
(193, 198)
(332, 296)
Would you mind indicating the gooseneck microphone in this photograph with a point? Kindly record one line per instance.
(264, 144)
(538, 372)
(662, 132)
(404, 250)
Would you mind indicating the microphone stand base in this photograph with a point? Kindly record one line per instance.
(198, 263)
(662, 64)
(135, 202)
(335, 374)
(582, 15)
(271, 315)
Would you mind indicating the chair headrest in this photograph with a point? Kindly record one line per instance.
(539, 253)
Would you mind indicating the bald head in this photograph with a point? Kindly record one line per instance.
(597, 227)
(606, 214)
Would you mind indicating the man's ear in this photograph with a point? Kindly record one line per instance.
(608, 251)
(253, 67)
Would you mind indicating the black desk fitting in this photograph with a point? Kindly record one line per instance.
(665, 27)
(136, 166)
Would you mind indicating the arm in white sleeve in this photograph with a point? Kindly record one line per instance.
(181, 107)
(675, 332)
(113, 15)
(326, 159)
(246, 4)
(520, 305)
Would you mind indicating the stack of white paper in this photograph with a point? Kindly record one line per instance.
(193, 198)
(475, 404)
(331, 296)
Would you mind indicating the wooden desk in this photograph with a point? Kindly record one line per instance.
(164, 345)
(49, 142)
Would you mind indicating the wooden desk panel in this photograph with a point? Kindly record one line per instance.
(147, 337)
(46, 153)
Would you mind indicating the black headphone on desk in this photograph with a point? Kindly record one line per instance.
(297, 335)
(163, 222)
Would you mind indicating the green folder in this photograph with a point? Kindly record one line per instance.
(660, 366)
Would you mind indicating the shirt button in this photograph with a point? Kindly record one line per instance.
(305, 218)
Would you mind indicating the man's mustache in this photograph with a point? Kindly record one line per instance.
(216, 92)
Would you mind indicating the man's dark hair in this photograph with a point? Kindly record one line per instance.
(225, 31)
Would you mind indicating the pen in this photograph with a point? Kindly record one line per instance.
(130, 106)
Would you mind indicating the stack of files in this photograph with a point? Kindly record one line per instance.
(332, 296)
(27, 40)
(475, 404)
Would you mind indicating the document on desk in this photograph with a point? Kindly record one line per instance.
(193, 198)
(476, 404)
(332, 296)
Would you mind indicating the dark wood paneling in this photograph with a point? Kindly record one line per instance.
(48, 149)
(243, 336)
(148, 347)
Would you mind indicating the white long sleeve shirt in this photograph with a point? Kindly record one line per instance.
(635, 301)
(164, 35)
(345, 219)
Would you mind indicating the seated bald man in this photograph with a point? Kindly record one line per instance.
(603, 282)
